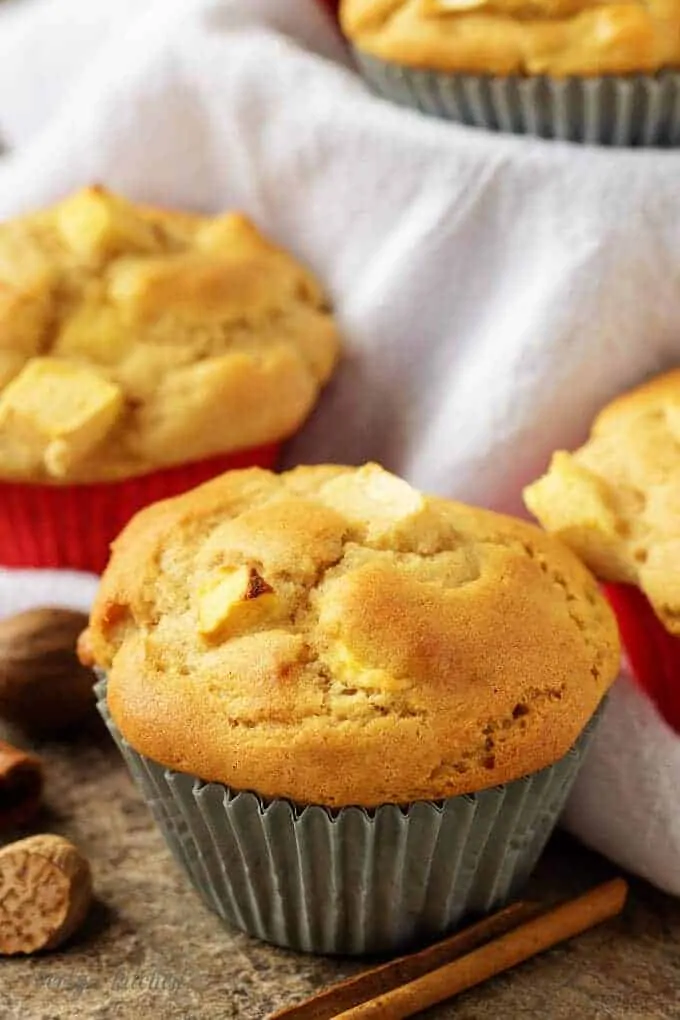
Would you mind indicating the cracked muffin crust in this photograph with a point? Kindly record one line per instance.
(616, 501)
(332, 636)
(554, 37)
(133, 339)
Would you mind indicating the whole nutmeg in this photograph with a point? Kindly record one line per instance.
(44, 689)
(45, 893)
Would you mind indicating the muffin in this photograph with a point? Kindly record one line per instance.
(141, 353)
(582, 70)
(616, 503)
(355, 711)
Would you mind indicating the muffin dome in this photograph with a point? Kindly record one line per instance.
(133, 339)
(616, 501)
(332, 636)
(555, 37)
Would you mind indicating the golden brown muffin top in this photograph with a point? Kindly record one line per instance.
(132, 339)
(554, 37)
(616, 501)
(332, 636)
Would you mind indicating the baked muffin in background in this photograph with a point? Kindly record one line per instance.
(355, 710)
(616, 503)
(585, 71)
(141, 352)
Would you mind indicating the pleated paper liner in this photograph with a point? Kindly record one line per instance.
(619, 110)
(72, 526)
(653, 653)
(352, 881)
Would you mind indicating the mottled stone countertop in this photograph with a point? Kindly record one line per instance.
(151, 950)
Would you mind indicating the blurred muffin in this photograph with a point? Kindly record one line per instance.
(328, 669)
(584, 70)
(138, 344)
(616, 503)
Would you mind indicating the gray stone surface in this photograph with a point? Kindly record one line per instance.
(151, 950)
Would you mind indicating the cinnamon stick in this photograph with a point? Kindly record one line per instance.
(379, 980)
(21, 786)
(527, 940)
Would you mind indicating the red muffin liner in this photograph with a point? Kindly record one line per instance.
(331, 5)
(72, 526)
(653, 653)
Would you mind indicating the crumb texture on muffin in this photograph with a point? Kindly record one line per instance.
(332, 636)
(133, 339)
(616, 501)
(555, 37)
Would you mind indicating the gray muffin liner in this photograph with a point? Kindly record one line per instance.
(352, 881)
(621, 110)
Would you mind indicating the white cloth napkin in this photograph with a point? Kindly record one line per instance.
(625, 802)
(494, 292)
